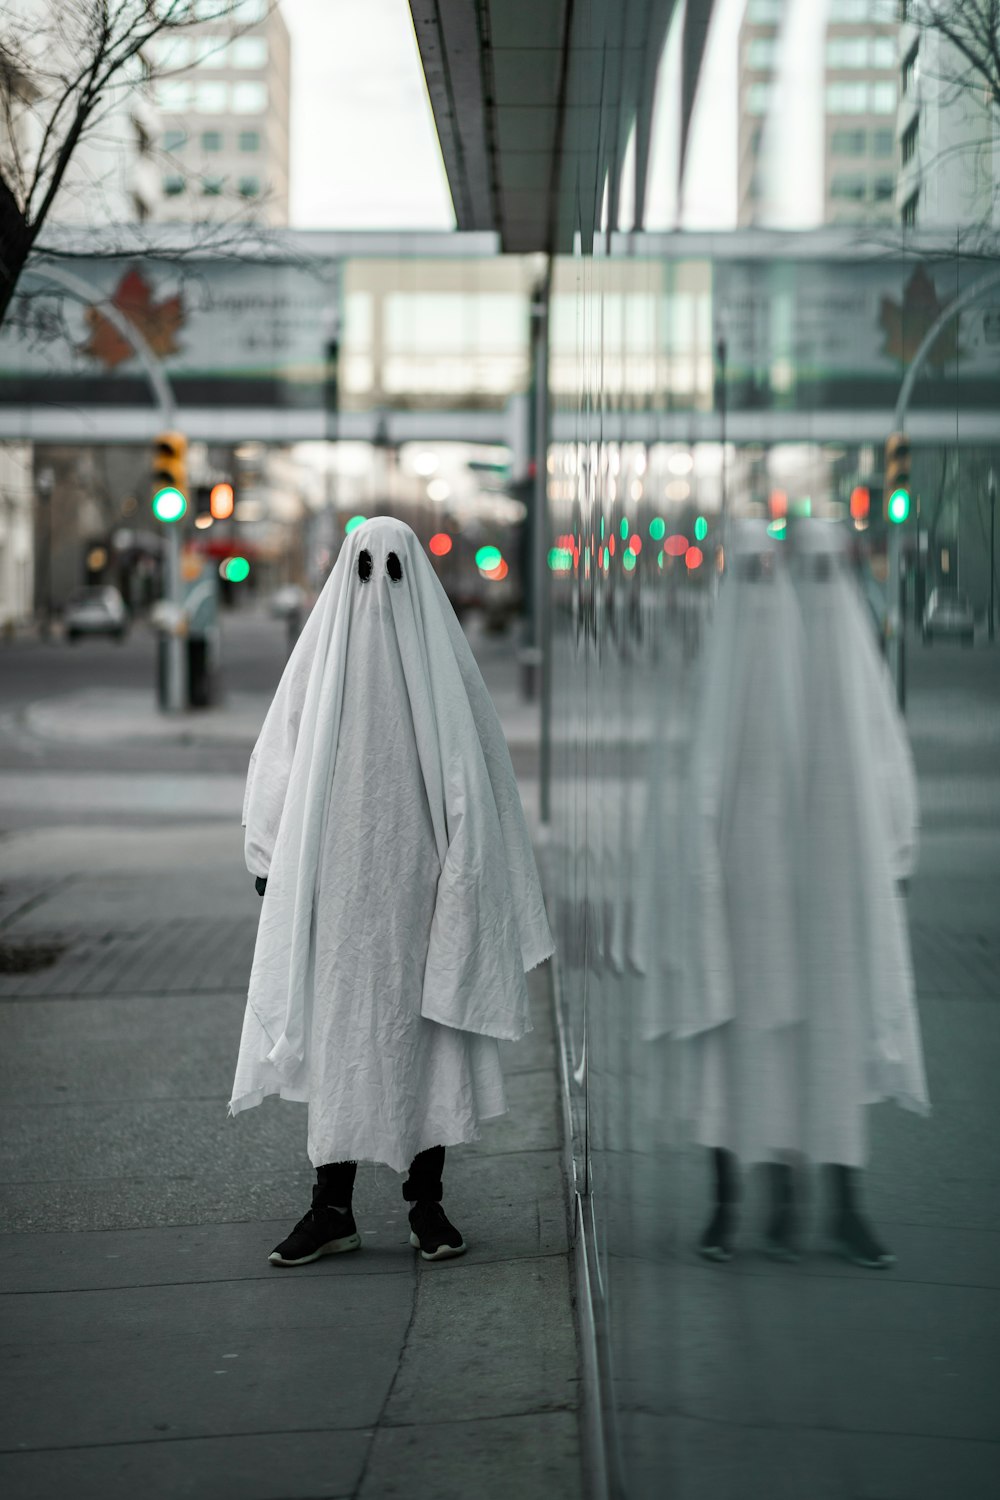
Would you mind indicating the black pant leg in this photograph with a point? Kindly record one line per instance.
(424, 1181)
(336, 1179)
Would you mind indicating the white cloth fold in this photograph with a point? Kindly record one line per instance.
(403, 902)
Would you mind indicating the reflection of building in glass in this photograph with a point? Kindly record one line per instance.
(223, 97)
(857, 95)
(946, 127)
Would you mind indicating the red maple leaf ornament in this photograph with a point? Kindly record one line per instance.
(905, 323)
(158, 322)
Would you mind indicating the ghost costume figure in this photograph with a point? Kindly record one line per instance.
(798, 1009)
(402, 907)
(857, 843)
(737, 1021)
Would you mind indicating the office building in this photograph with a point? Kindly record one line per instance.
(223, 94)
(856, 87)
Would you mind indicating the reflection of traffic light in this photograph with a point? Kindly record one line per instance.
(896, 490)
(202, 507)
(170, 477)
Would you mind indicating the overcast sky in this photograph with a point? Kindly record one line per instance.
(364, 148)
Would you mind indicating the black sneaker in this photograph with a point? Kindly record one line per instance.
(432, 1234)
(781, 1236)
(716, 1242)
(851, 1237)
(322, 1231)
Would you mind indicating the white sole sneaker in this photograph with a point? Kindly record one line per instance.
(446, 1252)
(332, 1247)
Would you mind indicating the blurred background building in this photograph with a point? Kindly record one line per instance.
(223, 97)
(858, 86)
(948, 142)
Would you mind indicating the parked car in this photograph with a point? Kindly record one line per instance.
(948, 613)
(98, 610)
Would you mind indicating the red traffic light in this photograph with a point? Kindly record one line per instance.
(221, 501)
(861, 502)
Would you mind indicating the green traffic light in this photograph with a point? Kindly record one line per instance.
(235, 569)
(487, 558)
(700, 529)
(169, 504)
(899, 506)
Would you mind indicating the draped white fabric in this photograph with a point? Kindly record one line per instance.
(403, 906)
(797, 998)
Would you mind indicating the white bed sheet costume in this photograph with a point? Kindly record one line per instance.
(796, 1006)
(403, 907)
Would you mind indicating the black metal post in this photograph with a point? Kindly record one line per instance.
(993, 567)
(45, 483)
(720, 354)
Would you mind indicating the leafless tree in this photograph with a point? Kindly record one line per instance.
(973, 29)
(65, 67)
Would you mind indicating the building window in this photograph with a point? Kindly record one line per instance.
(174, 140)
(250, 187)
(883, 143)
(911, 68)
(210, 52)
(249, 52)
(169, 53)
(908, 144)
(759, 97)
(249, 140)
(883, 52)
(249, 98)
(765, 12)
(211, 97)
(910, 210)
(173, 185)
(847, 52)
(883, 189)
(883, 98)
(211, 140)
(848, 142)
(853, 189)
(846, 98)
(173, 95)
(762, 53)
(211, 187)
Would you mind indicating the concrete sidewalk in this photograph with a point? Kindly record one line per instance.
(147, 1343)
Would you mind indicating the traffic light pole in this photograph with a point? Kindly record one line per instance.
(176, 659)
(895, 640)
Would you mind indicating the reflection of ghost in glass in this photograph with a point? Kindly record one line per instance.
(797, 1002)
